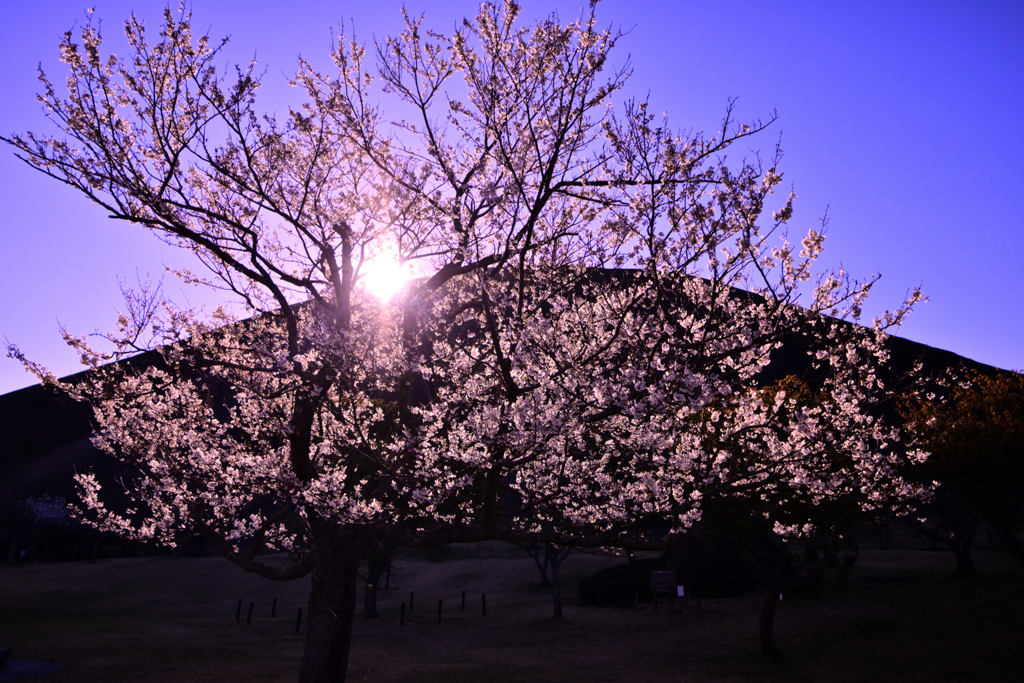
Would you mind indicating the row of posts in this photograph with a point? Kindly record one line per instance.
(440, 607)
(273, 613)
(401, 617)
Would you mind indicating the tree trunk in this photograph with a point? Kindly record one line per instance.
(957, 534)
(12, 550)
(883, 536)
(766, 630)
(766, 558)
(556, 581)
(964, 563)
(33, 541)
(332, 605)
(1010, 542)
(370, 599)
(962, 549)
(536, 552)
(543, 566)
(378, 561)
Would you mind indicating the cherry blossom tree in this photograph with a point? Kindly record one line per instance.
(582, 351)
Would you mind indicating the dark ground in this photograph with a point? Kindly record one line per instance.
(897, 617)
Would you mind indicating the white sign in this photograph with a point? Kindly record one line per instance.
(680, 591)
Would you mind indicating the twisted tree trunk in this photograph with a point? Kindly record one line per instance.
(332, 604)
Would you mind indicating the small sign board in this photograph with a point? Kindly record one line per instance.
(663, 581)
(680, 591)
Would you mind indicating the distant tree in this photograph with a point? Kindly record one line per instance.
(38, 514)
(539, 553)
(549, 557)
(595, 298)
(976, 438)
(46, 510)
(948, 519)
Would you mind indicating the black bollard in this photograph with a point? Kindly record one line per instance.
(273, 608)
(463, 601)
(439, 611)
(410, 603)
(401, 616)
(249, 617)
(238, 612)
(483, 601)
(298, 621)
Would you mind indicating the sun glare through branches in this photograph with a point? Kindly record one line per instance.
(383, 276)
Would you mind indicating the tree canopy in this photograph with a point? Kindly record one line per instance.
(595, 296)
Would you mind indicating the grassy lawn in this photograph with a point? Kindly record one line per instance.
(898, 617)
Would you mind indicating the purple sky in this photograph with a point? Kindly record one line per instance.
(903, 118)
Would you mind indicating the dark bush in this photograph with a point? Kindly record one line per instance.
(620, 585)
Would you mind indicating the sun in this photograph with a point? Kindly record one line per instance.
(384, 276)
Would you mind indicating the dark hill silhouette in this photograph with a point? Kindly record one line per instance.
(45, 438)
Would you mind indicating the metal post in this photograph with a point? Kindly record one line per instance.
(401, 616)
(483, 600)
(410, 602)
(463, 601)
(298, 621)
(238, 612)
(439, 611)
(248, 618)
(273, 608)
